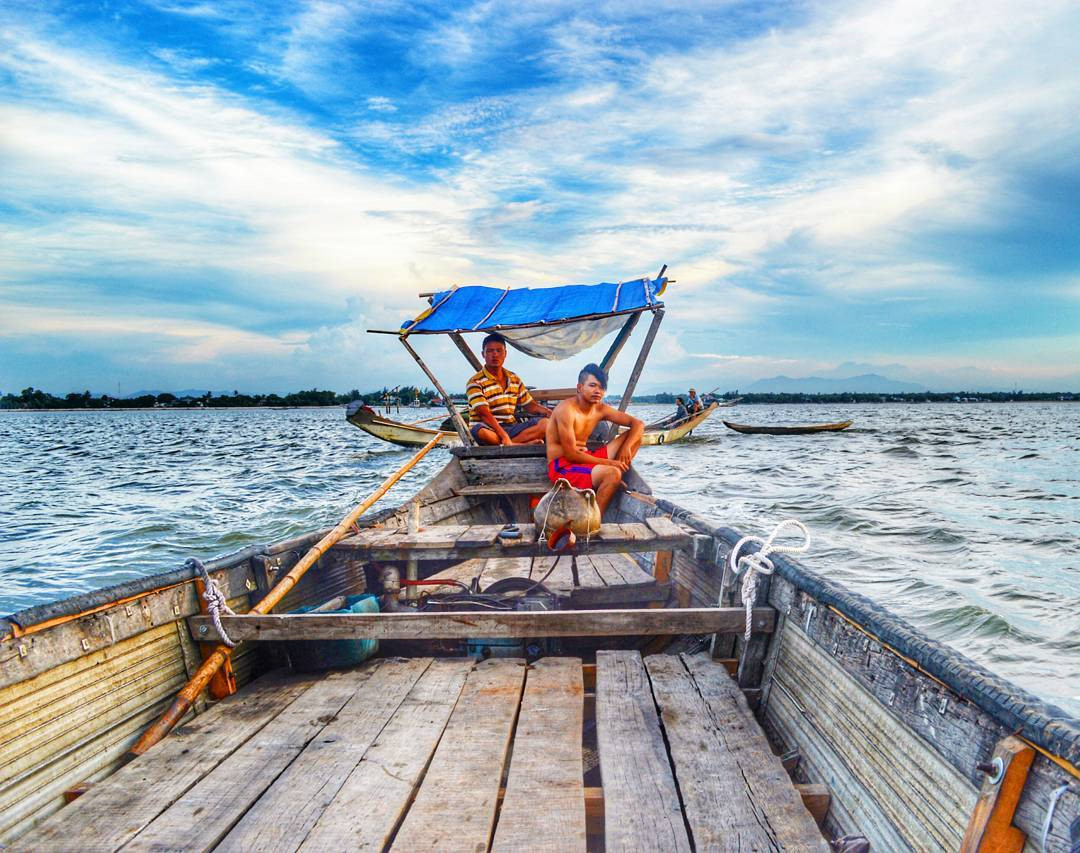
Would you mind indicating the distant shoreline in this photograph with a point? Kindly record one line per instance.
(9, 404)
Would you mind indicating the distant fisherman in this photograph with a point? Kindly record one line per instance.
(494, 397)
(569, 429)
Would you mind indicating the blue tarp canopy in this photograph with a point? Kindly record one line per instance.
(486, 309)
(548, 322)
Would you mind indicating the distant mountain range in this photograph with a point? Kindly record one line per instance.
(867, 383)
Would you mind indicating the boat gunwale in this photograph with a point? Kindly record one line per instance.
(1046, 726)
(86, 603)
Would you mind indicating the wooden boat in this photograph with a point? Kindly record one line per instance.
(788, 430)
(606, 697)
(884, 731)
(359, 415)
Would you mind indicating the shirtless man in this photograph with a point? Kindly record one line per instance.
(570, 426)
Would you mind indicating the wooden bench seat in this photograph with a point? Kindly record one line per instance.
(450, 542)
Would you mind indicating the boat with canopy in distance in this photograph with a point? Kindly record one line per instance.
(552, 323)
(441, 675)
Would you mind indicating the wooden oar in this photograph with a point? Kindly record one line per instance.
(182, 703)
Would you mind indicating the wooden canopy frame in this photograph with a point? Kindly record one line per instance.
(607, 362)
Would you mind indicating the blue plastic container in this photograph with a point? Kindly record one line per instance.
(312, 655)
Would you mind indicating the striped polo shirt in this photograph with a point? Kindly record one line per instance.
(484, 390)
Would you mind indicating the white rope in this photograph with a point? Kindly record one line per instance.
(1054, 797)
(216, 604)
(759, 562)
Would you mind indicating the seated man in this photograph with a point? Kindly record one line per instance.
(494, 396)
(694, 404)
(570, 426)
(680, 409)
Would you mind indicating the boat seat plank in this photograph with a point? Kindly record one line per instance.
(476, 536)
(537, 487)
(284, 815)
(641, 803)
(206, 812)
(735, 792)
(368, 808)
(664, 527)
(440, 542)
(115, 809)
(545, 795)
(455, 807)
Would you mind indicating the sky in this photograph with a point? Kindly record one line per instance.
(227, 195)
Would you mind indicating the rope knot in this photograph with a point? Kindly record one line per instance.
(750, 566)
(216, 603)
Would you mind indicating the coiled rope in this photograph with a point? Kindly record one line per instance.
(758, 563)
(214, 598)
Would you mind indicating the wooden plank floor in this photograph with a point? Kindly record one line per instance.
(452, 754)
(602, 578)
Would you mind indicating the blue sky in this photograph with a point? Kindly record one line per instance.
(227, 195)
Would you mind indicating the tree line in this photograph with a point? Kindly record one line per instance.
(35, 398)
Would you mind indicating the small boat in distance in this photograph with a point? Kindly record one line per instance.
(787, 430)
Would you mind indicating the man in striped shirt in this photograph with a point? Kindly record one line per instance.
(494, 397)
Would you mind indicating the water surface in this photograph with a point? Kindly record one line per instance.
(963, 518)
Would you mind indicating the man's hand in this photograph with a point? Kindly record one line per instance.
(618, 462)
(504, 438)
(625, 456)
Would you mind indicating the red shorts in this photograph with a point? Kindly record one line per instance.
(577, 475)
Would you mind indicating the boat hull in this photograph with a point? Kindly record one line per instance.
(748, 429)
(411, 435)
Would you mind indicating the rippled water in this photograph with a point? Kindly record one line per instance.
(964, 519)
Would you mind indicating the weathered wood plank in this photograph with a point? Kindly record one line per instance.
(958, 731)
(455, 807)
(533, 487)
(35, 653)
(886, 781)
(664, 527)
(440, 542)
(369, 805)
(544, 802)
(736, 793)
(476, 536)
(200, 818)
(284, 815)
(420, 626)
(115, 809)
(641, 803)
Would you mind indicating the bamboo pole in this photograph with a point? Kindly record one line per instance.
(184, 699)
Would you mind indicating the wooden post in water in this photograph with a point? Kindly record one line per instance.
(184, 699)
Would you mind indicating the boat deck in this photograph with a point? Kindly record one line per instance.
(451, 754)
(586, 580)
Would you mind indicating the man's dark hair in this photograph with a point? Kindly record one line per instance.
(679, 400)
(493, 338)
(593, 370)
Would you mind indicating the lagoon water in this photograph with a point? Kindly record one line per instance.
(962, 518)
